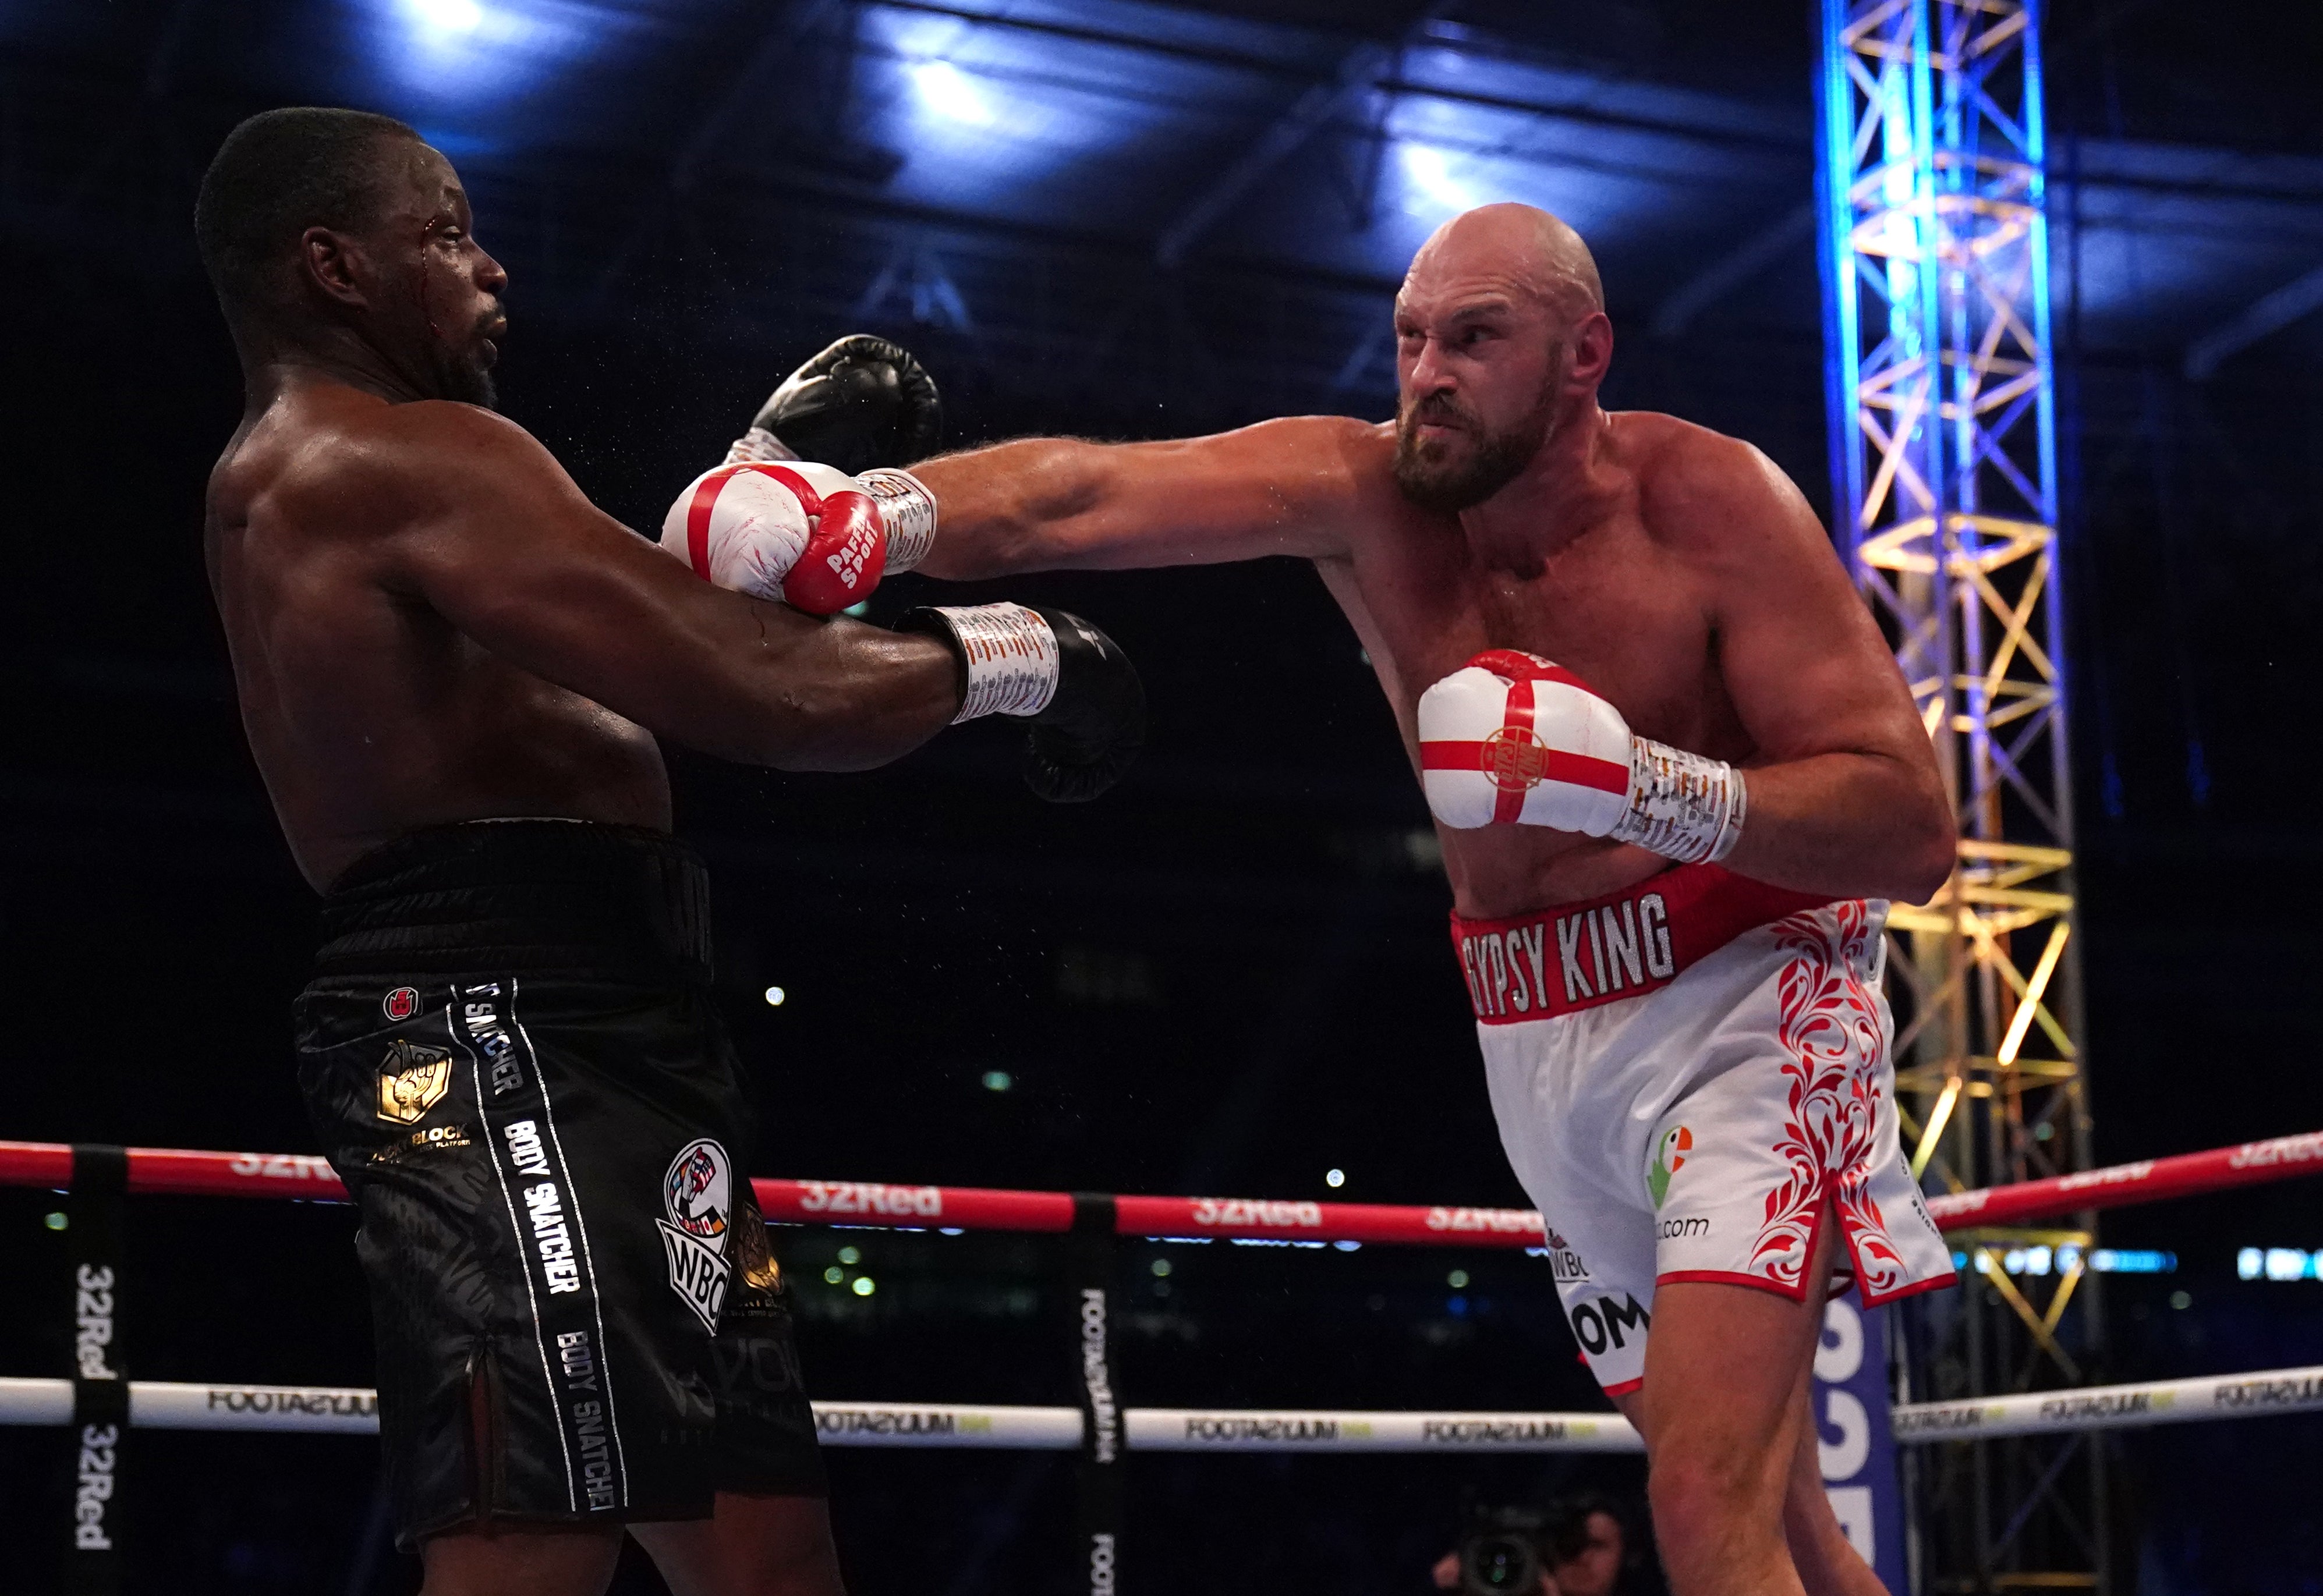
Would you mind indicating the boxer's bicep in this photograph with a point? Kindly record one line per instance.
(519, 560)
(1286, 487)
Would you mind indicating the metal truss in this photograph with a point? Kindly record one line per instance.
(1943, 459)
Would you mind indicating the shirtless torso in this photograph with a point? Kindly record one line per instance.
(1677, 572)
(1681, 577)
(405, 586)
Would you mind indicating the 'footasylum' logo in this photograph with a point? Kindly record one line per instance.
(1096, 1378)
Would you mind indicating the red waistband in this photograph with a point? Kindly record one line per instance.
(1571, 957)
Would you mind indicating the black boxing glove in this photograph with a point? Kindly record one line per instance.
(862, 402)
(1073, 683)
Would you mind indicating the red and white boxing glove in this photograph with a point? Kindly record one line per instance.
(1510, 738)
(805, 534)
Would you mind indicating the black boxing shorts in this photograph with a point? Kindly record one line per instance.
(510, 1053)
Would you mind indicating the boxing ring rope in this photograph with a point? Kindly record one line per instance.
(302, 1176)
(349, 1410)
(103, 1406)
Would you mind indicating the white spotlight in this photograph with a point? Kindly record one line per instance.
(1429, 172)
(950, 92)
(774, 995)
(1335, 1177)
(450, 16)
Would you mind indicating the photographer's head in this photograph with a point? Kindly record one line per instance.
(1585, 1548)
(1575, 1545)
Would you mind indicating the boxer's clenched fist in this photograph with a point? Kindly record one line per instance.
(1511, 739)
(801, 534)
(1073, 683)
(862, 402)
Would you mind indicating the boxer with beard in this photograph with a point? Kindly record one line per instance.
(1677, 775)
(453, 669)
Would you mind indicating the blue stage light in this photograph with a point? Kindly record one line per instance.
(950, 92)
(1433, 189)
(447, 16)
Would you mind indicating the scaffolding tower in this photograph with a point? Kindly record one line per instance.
(1944, 469)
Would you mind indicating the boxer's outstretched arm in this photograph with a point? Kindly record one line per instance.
(1844, 793)
(1286, 487)
(479, 522)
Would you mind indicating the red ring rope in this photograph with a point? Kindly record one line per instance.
(305, 1177)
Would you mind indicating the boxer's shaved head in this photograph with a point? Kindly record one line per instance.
(279, 173)
(1532, 251)
(344, 238)
(1491, 327)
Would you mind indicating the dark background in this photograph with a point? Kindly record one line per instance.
(1229, 975)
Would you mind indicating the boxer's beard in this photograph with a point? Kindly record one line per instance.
(1434, 480)
(464, 373)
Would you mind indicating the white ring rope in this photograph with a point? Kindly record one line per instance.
(349, 1410)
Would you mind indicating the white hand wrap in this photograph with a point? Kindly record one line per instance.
(908, 511)
(1012, 659)
(1681, 806)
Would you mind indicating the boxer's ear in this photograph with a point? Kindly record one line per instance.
(331, 261)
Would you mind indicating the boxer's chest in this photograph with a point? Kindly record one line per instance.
(1611, 605)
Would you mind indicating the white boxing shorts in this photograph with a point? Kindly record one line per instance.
(1683, 1073)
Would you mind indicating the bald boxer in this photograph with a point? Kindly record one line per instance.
(1677, 775)
(453, 669)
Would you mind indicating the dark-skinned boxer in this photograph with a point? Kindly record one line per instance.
(453, 669)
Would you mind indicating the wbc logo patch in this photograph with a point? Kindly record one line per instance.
(698, 1195)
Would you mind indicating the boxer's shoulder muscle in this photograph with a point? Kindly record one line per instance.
(379, 470)
(1717, 502)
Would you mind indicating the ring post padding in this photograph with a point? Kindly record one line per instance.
(93, 1561)
(1099, 1474)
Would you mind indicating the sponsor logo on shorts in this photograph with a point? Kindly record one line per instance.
(544, 1209)
(427, 1138)
(585, 1404)
(697, 1194)
(1669, 1158)
(401, 1003)
(1671, 1230)
(412, 1079)
(1564, 1262)
(1604, 1325)
(505, 1075)
(1601, 951)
